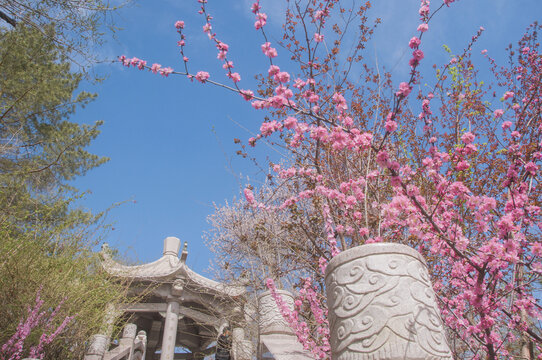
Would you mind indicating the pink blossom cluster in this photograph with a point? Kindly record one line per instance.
(14, 347)
(142, 64)
(476, 241)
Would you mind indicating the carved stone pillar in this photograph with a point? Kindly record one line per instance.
(382, 306)
(128, 335)
(170, 330)
(97, 348)
(140, 351)
(271, 320)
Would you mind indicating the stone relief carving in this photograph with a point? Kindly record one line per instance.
(382, 305)
(271, 320)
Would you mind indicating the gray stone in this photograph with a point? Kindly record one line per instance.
(270, 318)
(97, 348)
(276, 335)
(381, 305)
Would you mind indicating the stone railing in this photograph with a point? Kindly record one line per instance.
(130, 347)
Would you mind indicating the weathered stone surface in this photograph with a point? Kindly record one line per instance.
(98, 346)
(382, 306)
(241, 349)
(172, 245)
(270, 318)
(129, 331)
(276, 335)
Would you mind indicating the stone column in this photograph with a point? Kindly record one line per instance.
(241, 348)
(382, 306)
(170, 330)
(271, 320)
(128, 335)
(98, 346)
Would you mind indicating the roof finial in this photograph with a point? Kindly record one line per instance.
(184, 254)
(172, 246)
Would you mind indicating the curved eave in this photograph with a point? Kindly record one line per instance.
(165, 268)
(169, 268)
(205, 283)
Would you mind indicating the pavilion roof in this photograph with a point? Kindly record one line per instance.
(168, 268)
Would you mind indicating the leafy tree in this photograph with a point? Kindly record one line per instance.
(80, 25)
(46, 242)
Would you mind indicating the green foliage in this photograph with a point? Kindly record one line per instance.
(62, 263)
(45, 241)
(80, 26)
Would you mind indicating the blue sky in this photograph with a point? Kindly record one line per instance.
(171, 141)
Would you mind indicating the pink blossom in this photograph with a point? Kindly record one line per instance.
(267, 128)
(322, 264)
(414, 43)
(525, 50)
(207, 28)
(268, 50)
(247, 94)
(222, 46)
(506, 125)
(313, 98)
(462, 165)
(424, 11)
(273, 70)
(155, 68)
(249, 196)
(179, 24)
(498, 113)
(423, 27)
(283, 77)
(468, 137)
(339, 101)
(391, 126)
(235, 77)
(536, 249)
(404, 90)
(507, 95)
(299, 84)
(141, 64)
(255, 7)
(290, 122)
(382, 158)
(318, 37)
(261, 20)
(418, 54)
(531, 168)
(202, 76)
(166, 71)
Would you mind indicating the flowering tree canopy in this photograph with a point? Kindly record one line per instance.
(448, 165)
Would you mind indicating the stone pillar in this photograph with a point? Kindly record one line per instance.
(99, 343)
(241, 348)
(128, 335)
(381, 305)
(140, 351)
(271, 320)
(170, 330)
(98, 346)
